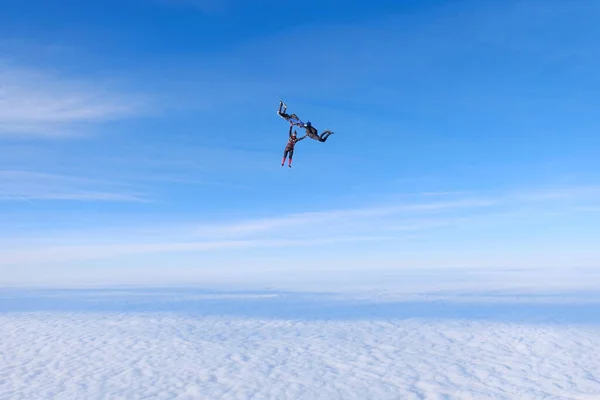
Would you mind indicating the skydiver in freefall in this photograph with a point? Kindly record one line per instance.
(282, 112)
(289, 148)
(312, 132)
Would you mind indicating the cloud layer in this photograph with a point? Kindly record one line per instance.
(194, 344)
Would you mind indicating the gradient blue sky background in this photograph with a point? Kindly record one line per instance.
(139, 140)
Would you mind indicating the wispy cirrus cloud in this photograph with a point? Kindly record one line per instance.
(579, 192)
(18, 185)
(39, 103)
(395, 223)
(422, 214)
(66, 253)
(320, 221)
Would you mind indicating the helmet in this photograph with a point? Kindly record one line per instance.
(294, 133)
(308, 123)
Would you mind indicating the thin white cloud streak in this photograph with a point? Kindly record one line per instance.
(37, 103)
(25, 175)
(251, 227)
(187, 181)
(57, 254)
(565, 193)
(396, 222)
(401, 217)
(398, 217)
(16, 185)
(309, 229)
(73, 196)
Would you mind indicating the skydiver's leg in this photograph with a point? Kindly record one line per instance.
(290, 159)
(285, 154)
(282, 112)
(325, 135)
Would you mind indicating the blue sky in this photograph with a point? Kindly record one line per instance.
(139, 138)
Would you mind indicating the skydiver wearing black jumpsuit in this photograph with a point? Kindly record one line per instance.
(312, 132)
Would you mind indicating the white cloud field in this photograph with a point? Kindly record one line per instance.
(482, 335)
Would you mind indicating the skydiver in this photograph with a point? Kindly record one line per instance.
(289, 148)
(282, 112)
(312, 132)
